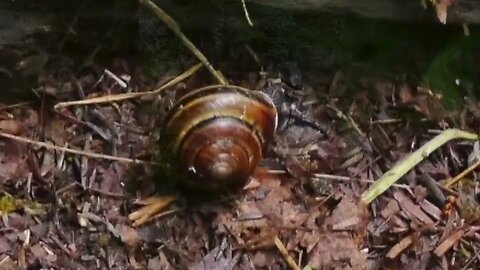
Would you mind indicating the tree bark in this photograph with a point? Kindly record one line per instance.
(461, 11)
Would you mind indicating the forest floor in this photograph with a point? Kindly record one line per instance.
(71, 174)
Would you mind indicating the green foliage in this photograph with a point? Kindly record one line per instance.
(456, 62)
(9, 204)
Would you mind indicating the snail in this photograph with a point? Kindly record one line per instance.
(215, 137)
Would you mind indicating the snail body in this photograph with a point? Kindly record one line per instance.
(215, 137)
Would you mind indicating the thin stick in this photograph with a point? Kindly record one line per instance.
(115, 78)
(73, 151)
(247, 16)
(125, 96)
(403, 166)
(457, 178)
(223, 85)
(172, 24)
(14, 105)
(320, 176)
(164, 214)
(283, 250)
(386, 121)
(471, 260)
(145, 213)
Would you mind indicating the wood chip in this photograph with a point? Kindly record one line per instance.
(391, 209)
(449, 242)
(408, 206)
(400, 246)
(431, 209)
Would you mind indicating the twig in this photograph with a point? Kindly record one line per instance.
(98, 219)
(107, 194)
(349, 119)
(403, 166)
(449, 242)
(154, 205)
(400, 246)
(145, 213)
(223, 85)
(283, 250)
(457, 178)
(319, 176)
(172, 24)
(125, 96)
(247, 16)
(73, 151)
(272, 171)
(386, 121)
(34, 168)
(471, 260)
(111, 195)
(61, 245)
(166, 213)
(84, 163)
(5, 107)
(70, 26)
(120, 82)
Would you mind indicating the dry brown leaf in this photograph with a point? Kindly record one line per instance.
(31, 120)
(5, 245)
(420, 193)
(391, 209)
(11, 126)
(40, 251)
(129, 236)
(350, 213)
(216, 260)
(337, 251)
(110, 179)
(12, 160)
(159, 262)
(431, 209)
(6, 262)
(307, 239)
(406, 94)
(441, 7)
(57, 131)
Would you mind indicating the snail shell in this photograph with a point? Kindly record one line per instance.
(215, 137)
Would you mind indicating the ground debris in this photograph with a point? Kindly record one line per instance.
(337, 251)
(331, 145)
(216, 259)
(413, 211)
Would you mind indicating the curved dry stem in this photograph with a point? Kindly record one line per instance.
(406, 164)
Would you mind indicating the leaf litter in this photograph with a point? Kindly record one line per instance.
(319, 223)
(303, 210)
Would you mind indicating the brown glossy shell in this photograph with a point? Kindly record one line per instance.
(216, 137)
